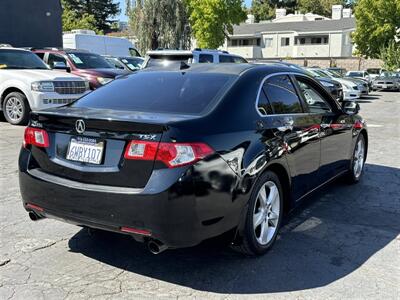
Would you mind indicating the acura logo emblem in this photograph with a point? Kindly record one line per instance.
(80, 126)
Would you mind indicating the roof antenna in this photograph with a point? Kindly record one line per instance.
(184, 66)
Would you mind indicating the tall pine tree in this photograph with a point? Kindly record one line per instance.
(102, 10)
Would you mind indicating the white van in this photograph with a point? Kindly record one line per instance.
(100, 44)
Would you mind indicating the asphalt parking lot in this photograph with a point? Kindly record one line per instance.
(343, 243)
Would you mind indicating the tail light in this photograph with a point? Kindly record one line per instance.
(37, 137)
(172, 154)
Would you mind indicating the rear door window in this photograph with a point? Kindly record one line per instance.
(160, 91)
(282, 95)
(206, 58)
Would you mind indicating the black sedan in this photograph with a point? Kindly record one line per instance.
(175, 157)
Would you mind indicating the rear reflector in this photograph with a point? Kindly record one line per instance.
(36, 137)
(34, 207)
(135, 231)
(172, 154)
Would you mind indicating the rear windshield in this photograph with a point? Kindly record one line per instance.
(168, 60)
(162, 92)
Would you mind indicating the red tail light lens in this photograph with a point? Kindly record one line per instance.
(172, 154)
(36, 137)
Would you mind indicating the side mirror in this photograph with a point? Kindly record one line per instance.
(350, 107)
(59, 65)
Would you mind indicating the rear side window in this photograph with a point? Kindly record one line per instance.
(206, 58)
(226, 59)
(282, 95)
(158, 91)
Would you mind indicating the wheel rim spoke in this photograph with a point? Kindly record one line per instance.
(262, 195)
(258, 218)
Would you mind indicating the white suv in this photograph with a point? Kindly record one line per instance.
(27, 83)
(163, 58)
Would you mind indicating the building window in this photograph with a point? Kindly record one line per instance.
(316, 40)
(268, 42)
(244, 42)
(300, 41)
(285, 42)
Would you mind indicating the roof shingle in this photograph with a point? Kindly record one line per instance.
(304, 26)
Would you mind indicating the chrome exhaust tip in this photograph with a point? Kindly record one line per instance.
(156, 247)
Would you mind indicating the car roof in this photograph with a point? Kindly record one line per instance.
(16, 49)
(229, 68)
(169, 52)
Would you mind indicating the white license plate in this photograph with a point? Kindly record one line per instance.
(86, 150)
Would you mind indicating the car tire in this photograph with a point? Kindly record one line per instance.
(16, 109)
(357, 164)
(264, 216)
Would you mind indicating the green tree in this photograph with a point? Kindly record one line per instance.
(320, 7)
(71, 20)
(391, 56)
(161, 23)
(262, 10)
(377, 22)
(211, 20)
(102, 10)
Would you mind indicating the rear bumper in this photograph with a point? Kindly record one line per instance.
(186, 212)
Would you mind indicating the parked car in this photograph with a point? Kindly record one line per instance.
(125, 63)
(387, 81)
(100, 44)
(350, 89)
(374, 72)
(165, 58)
(148, 155)
(364, 75)
(332, 86)
(362, 85)
(26, 83)
(341, 71)
(90, 66)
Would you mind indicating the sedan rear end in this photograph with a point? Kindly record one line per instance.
(131, 161)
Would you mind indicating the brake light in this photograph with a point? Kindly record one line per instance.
(172, 154)
(36, 137)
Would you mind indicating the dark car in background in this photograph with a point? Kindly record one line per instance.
(332, 86)
(128, 63)
(174, 157)
(91, 66)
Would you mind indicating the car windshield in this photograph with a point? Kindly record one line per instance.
(83, 60)
(159, 91)
(387, 74)
(317, 73)
(333, 74)
(355, 74)
(133, 63)
(18, 59)
(115, 62)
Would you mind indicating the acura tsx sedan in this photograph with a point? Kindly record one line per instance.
(173, 157)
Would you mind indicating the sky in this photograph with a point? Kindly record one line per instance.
(122, 16)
